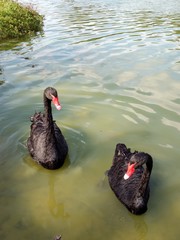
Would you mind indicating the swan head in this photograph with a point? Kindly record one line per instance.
(52, 95)
(138, 159)
(130, 170)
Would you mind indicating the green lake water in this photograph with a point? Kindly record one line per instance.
(116, 67)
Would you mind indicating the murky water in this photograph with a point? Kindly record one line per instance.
(116, 67)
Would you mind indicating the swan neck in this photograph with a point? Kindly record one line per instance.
(144, 182)
(48, 111)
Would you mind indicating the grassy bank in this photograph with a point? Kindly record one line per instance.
(17, 20)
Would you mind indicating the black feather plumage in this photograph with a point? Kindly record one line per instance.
(46, 143)
(134, 191)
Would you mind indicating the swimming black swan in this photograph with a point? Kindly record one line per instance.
(129, 178)
(46, 143)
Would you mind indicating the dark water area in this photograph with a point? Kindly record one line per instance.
(116, 67)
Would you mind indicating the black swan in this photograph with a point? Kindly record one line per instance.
(129, 178)
(46, 143)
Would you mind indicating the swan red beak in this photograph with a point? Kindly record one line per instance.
(130, 171)
(56, 102)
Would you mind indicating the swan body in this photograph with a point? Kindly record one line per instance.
(46, 143)
(129, 178)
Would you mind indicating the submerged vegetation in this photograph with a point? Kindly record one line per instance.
(18, 20)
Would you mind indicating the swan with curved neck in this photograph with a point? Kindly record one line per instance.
(129, 178)
(46, 143)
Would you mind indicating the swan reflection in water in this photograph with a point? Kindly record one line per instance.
(56, 207)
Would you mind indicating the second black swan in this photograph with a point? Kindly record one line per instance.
(46, 143)
(129, 178)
